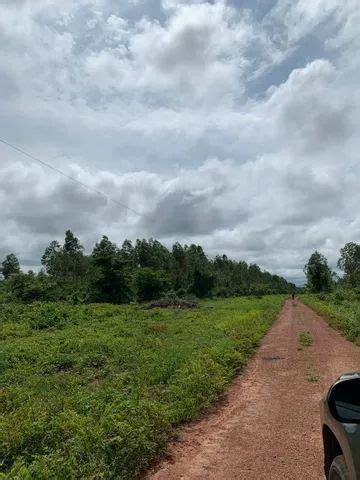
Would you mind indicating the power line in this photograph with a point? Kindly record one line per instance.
(69, 177)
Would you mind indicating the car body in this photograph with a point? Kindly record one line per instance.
(341, 436)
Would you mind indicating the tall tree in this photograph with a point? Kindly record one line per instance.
(72, 244)
(203, 283)
(318, 273)
(179, 266)
(51, 258)
(111, 281)
(104, 251)
(10, 265)
(66, 262)
(349, 262)
(127, 253)
(150, 284)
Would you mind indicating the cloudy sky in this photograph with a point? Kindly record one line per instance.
(233, 124)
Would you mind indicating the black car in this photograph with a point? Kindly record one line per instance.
(340, 417)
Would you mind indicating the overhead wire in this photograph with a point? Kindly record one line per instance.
(69, 177)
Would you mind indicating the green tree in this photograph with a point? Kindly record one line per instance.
(349, 262)
(10, 266)
(152, 254)
(72, 244)
(67, 261)
(178, 267)
(104, 251)
(150, 284)
(51, 259)
(111, 281)
(127, 253)
(318, 273)
(203, 283)
(29, 287)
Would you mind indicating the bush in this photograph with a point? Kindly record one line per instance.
(29, 288)
(151, 284)
(44, 316)
(181, 293)
(341, 309)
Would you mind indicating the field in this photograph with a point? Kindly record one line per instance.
(341, 309)
(97, 391)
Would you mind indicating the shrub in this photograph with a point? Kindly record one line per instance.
(150, 284)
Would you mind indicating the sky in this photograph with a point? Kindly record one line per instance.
(231, 124)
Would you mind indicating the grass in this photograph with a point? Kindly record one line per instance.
(305, 339)
(341, 309)
(312, 378)
(97, 391)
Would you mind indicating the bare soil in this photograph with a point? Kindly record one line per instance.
(267, 427)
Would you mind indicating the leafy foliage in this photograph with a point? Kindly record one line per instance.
(349, 262)
(305, 339)
(150, 284)
(10, 266)
(342, 310)
(144, 271)
(111, 280)
(94, 391)
(318, 273)
(67, 261)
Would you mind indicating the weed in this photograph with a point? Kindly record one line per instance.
(305, 339)
(341, 309)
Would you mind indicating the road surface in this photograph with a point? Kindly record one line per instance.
(267, 427)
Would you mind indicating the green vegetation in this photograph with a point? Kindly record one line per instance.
(320, 278)
(318, 273)
(337, 299)
(95, 391)
(341, 308)
(305, 339)
(143, 271)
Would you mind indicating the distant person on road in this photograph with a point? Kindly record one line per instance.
(293, 296)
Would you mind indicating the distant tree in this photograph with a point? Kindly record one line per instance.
(28, 287)
(113, 274)
(203, 283)
(111, 281)
(318, 273)
(152, 254)
(51, 258)
(349, 262)
(179, 267)
(151, 284)
(104, 251)
(10, 266)
(66, 262)
(127, 253)
(72, 244)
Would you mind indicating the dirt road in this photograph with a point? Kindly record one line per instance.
(267, 427)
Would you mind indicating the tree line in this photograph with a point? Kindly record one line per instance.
(142, 271)
(320, 277)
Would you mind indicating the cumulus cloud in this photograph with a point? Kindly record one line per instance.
(214, 121)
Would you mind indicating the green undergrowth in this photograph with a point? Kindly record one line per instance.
(305, 339)
(96, 391)
(341, 309)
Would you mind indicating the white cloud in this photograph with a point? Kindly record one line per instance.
(150, 103)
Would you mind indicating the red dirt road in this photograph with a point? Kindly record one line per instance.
(268, 427)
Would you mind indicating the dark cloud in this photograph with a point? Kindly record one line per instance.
(184, 213)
